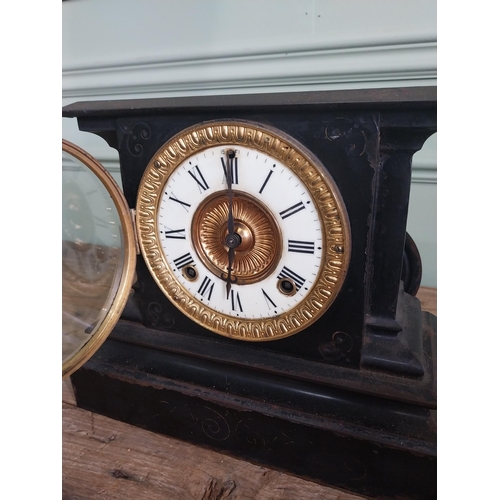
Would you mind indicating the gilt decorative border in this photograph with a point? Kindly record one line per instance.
(336, 231)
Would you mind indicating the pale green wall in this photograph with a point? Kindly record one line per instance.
(422, 220)
(118, 49)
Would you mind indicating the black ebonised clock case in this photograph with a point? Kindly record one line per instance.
(349, 401)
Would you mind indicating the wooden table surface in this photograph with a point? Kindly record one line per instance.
(107, 459)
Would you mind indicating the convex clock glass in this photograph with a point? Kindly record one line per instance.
(98, 256)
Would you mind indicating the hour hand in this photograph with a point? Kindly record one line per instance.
(232, 241)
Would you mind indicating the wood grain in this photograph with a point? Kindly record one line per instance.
(107, 459)
(428, 299)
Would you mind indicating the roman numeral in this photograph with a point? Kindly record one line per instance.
(292, 210)
(176, 234)
(235, 301)
(206, 288)
(196, 174)
(183, 260)
(234, 170)
(301, 246)
(268, 299)
(289, 274)
(266, 181)
(184, 205)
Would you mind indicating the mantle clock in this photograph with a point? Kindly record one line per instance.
(252, 286)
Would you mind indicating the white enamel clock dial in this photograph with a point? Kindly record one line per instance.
(243, 230)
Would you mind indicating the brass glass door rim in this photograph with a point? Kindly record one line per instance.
(128, 269)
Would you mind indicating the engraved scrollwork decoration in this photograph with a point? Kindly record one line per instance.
(339, 348)
(355, 470)
(136, 137)
(248, 432)
(215, 426)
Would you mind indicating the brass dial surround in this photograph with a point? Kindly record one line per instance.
(314, 300)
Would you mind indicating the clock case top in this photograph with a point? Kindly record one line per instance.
(374, 339)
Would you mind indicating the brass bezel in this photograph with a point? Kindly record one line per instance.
(322, 188)
(125, 285)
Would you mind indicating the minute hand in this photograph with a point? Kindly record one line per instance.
(232, 239)
(229, 177)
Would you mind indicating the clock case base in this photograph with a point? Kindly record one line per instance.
(368, 444)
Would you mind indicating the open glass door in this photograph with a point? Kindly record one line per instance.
(98, 255)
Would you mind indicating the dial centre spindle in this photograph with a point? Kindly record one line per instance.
(233, 240)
